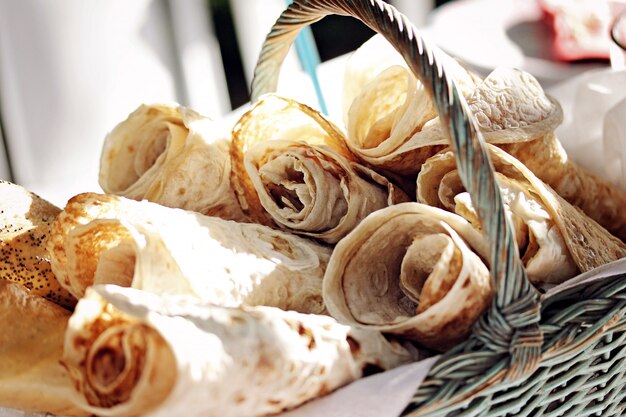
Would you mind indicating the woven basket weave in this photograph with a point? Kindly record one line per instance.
(563, 355)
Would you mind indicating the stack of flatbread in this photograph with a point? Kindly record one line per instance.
(295, 164)
(174, 308)
(243, 271)
(284, 165)
(509, 105)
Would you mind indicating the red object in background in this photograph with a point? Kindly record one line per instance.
(580, 28)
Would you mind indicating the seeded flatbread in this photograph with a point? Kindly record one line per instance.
(25, 221)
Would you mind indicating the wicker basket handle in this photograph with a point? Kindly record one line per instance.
(511, 324)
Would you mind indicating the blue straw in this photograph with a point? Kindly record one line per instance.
(309, 60)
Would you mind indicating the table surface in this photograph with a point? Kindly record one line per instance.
(491, 33)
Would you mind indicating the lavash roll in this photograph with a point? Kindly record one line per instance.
(410, 270)
(32, 331)
(597, 197)
(390, 118)
(173, 156)
(513, 111)
(112, 240)
(180, 357)
(292, 169)
(25, 220)
(556, 240)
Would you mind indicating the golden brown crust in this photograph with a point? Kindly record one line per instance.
(80, 209)
(113, 240)
(240, 181)
(590, 244)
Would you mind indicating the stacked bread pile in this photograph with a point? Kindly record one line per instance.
(245, 271)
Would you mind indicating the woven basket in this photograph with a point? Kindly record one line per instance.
(528, 355)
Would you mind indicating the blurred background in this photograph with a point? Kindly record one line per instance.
(70, 70)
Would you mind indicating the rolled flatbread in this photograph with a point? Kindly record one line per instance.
(514, 112)
(132, 353)
(112, 240)
(25, 220)
(392, 125)
(598, 198)
(292, 168)
(390, 118)
(32, 330)
(556, 240)
(411, 270)
(173, 156)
